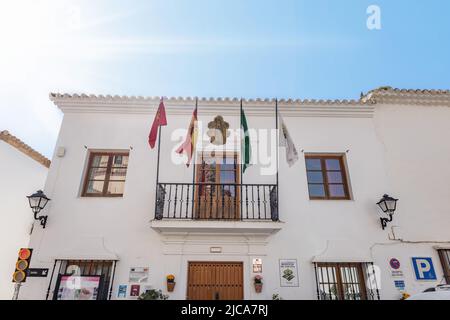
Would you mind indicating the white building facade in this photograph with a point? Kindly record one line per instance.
(313, 232)
(23, 171)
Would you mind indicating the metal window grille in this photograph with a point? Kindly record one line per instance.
(346, 281)
(444, 255)
(103, 268)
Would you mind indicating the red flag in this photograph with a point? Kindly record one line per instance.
(188, 145)
(160, 120)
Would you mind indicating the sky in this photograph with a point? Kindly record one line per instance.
(307, 49)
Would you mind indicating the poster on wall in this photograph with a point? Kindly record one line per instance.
(122, 292)
(288, 273)
(78, 287)
(138, 274)
(135, 290)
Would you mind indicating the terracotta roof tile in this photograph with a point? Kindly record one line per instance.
(23, 147)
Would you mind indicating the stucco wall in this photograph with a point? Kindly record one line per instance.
(400, 151)
(21, 176)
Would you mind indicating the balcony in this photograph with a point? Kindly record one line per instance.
(219, 208)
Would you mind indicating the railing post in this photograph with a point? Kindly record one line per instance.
(159, 203)
(274, 203)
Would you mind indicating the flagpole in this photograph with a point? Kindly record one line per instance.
(193, 149)
(159, 152)
(242, 155)
(157, 165)
(194, 163)
(277, 142)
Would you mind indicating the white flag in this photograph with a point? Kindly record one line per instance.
(286, 141)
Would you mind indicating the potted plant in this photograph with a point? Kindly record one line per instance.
(405, 296)
(258, 283)
(170, 282)
(153, 294)
(276, 296)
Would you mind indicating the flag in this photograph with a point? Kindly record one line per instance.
(160, 120)
(286, 141)
(246, 150)
(188, 145)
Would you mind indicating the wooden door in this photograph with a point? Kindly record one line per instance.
(215, 281)
(217, 195)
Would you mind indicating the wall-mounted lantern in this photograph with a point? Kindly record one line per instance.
(38, 201)
(388, 205)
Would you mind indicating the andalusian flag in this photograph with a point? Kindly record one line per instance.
(246, 148)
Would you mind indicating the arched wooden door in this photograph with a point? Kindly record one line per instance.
(215, 281)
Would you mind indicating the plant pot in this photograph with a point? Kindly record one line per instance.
(170, 286)
(258, 287)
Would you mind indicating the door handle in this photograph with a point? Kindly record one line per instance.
(216, 296)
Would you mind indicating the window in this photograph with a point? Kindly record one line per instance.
(444, 255)
(106, 174)
(327, 179)
(84, 280)
(346, 281)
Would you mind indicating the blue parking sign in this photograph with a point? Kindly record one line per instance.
(424, 269)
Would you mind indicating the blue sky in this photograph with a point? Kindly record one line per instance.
(287, 49)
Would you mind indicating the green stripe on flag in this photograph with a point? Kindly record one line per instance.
(246, 150)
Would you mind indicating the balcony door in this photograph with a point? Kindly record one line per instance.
(217, 191)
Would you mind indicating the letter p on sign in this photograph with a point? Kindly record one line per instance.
(424, 269)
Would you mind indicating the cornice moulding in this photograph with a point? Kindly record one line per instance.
(362, 108)
(209, 106)
(416, 97)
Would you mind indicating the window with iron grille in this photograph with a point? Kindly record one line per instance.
(346, 281)
(85, 268)
(444, 255)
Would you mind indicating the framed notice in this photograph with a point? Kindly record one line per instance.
(78, 287)
(138, 274)
(289, 273)
(257, 265)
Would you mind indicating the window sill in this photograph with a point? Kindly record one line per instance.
(330, 200)
(100, 197)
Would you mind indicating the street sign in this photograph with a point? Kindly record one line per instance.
(395, 268)
(424, 269)
(394, 263)
(38, 272)
(400, 284)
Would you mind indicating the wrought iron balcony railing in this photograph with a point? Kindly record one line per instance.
(209, 201)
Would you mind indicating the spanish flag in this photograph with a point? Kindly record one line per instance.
(188, 145)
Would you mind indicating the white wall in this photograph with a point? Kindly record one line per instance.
(396, 152)
(20, 177)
